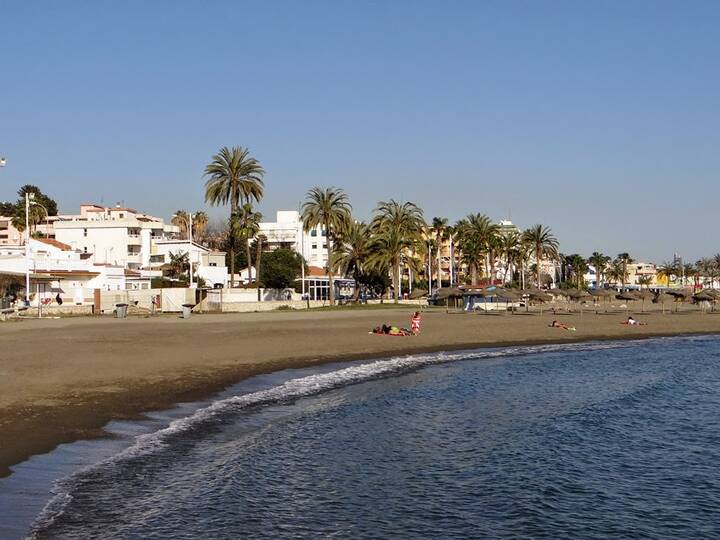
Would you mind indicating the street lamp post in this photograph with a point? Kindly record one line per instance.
(28, 197)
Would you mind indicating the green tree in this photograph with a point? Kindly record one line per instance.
(233, 176)
(245, 227)
(668, 270)
(40, 206)
(623, 260)
(577, 266)
(397, 229)
(351, 252)
(281, 268)
(439, 229)
(475, 234)
(329, 208)
(599, 262)
(179, 265)
(542, 243)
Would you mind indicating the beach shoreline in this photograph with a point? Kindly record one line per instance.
(63, 380)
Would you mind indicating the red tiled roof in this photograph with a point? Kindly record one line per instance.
(54, 243)
(316, 271)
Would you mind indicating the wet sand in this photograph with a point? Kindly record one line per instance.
(62, 380)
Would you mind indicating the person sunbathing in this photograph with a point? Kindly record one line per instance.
(390, 331)
(632, 322)
(558, 324)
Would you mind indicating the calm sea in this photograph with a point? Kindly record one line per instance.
(599, 440)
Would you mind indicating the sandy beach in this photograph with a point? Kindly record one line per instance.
(64, 379)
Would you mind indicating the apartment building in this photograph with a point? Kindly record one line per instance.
(9, 235)
(113, 235)
(288, 231)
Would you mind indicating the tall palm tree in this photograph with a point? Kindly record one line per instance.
(439, 229)
(398, 229)
(181, 219)
(245, 226)
(578, 267)
(330, 208)
(599, 262)
(509, 250)
(200, 223)
(668, 270)
(260, 240)
(542, 243)
(351, 253)
(233, 176)
(624, 260)
(474, 236)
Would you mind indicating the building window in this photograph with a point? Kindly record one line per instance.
(324, 246)
(313, 233)
(84, 232)
(314, 246)
(85, 249)
(213, 264)
(324, 233)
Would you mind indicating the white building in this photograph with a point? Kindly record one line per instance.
(287, 231)
(55, 268)
(117, 236)
(207, 264)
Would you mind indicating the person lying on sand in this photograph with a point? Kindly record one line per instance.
(391, 331)
(558, 324)
(632, 322)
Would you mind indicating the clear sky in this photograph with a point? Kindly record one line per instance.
(599, 119)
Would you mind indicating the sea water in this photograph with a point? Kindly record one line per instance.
(598, 440)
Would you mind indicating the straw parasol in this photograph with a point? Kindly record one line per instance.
(418, 293)
(645, 296)
(663, 298)
(446, 293)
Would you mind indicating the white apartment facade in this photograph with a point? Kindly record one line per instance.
(288, 231)
(118, 236)
(207, 264)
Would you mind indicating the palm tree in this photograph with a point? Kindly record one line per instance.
(645, 281)
(233, 176)
(351, 253)
(599, 262)
(578, 267)
(200, 223)
(439, 229)
(179, 264)
(667, 270)
(181, 219)
(542, 243)
(398, 229)
(474, 236)
(259, 242)
(623, 259)
(509, 250)
(246, 226)
(330, 208)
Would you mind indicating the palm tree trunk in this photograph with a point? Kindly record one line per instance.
(331, 283)
(258, 255)
(439, 275)
(396, 280)
(249, 260)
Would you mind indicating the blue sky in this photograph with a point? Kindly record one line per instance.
(599, 119)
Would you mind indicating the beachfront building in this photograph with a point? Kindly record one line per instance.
(119, 236)
(9, 235)
(57, 269)
(206, 263)
(287, 231)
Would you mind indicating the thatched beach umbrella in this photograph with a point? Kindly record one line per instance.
(644, 296)
(508, 295)
(446, 293)
(417, 294)
(663, 298)
(536, 295)
(599, 294)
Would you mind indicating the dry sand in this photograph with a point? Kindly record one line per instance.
(61, 380)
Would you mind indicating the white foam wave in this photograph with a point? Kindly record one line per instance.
(291, 390)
